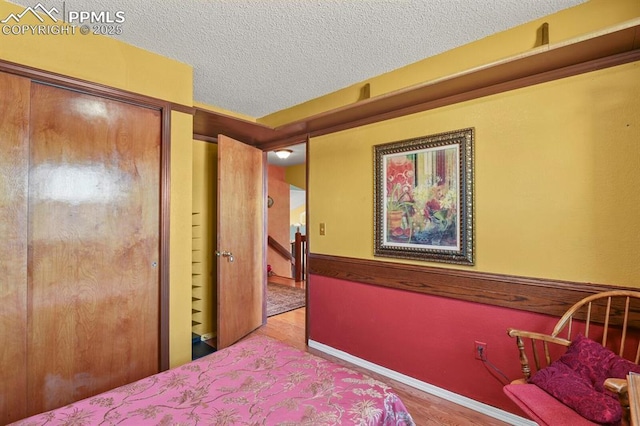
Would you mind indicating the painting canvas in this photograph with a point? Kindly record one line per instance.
(424, 198)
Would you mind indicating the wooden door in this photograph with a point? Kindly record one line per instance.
(14, 154)
(241, 230)
(93, 245)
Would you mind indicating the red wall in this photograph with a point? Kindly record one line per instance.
(425, 337)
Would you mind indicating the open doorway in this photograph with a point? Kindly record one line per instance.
(221, 288)
(286, 229)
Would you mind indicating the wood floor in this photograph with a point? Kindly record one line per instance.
(426, 409)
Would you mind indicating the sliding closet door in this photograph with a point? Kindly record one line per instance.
(93, 254)
(14, 152)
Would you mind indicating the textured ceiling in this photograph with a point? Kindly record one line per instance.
(259, 56)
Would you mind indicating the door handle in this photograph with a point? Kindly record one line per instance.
(226, 254)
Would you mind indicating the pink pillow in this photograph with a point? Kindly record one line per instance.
(543, 408)
(577, 379)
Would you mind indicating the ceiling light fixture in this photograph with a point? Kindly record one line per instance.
(283, 153)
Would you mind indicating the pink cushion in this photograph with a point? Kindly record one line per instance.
(542, 407)
(577, 379)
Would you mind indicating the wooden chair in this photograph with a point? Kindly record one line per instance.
(611, 318)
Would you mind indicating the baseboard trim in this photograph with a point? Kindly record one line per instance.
(472, 404)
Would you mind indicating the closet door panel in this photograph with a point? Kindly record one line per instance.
(14, 153)
(94, 182)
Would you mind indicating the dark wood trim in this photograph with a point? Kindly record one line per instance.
(211, 124)
(607, 48)
(204, 138)
(286, 141)
(165, 108)
(438, 94)
(182, 108)
(540, 295)
(265, 231)
(307, 323)
(450, 94)
(165, 249)
(91, 88)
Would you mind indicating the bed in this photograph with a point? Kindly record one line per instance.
(258, 381)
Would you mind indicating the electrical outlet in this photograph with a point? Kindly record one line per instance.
(480, 350)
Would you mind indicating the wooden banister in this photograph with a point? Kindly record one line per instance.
(299, 256)
(300, 251)
(280, 249)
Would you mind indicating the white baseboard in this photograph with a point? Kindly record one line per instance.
(472, 404)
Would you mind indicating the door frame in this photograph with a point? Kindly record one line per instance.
(165, 108)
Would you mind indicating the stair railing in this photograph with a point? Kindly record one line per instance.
(297, 255)
(300, 254)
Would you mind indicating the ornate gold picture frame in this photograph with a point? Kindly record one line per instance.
(423, 198)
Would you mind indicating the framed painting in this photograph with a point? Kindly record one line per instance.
(423, 198)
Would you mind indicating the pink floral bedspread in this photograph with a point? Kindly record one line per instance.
(259, 381)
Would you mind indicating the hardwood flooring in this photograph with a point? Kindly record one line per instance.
(426, 409)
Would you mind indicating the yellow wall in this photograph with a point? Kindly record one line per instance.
(298, 216)
(554, 197)
(180, 239)
(116, 64)
(556, 179)
(101, 60)
(568, 24)
(296, 175)
(205, 190)
(556, 165)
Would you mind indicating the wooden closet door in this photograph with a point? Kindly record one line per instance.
(93, 245)
(14, 153)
